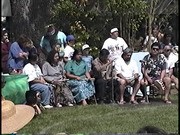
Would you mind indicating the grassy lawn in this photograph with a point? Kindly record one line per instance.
(106, 118)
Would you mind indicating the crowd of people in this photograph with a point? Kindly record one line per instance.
(66, 76)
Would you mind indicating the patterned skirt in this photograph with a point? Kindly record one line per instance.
(81, 89)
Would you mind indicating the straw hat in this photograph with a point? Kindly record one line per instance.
(14, 117)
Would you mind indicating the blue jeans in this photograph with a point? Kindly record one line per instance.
(45, 91)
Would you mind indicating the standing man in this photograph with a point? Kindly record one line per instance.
(115, 44)
(69, 49)
(52, 35)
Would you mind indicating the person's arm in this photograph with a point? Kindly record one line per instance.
(46, 76)
(100, 67)
(163, 72)
(42, 45)
(145, 41)
(71, 76)
(124, 44)
(170, 72)
(147, 77)
(68, 73)
(17, 52)
(136, 72)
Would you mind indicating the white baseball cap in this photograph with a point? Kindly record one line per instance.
(85, 46)
(114, 30)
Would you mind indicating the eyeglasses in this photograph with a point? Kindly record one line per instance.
(155, 49)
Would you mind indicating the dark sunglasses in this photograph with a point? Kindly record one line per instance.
(155, 49)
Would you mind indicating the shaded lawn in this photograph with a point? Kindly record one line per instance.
(106, 118)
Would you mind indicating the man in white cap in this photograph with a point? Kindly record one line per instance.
(115, 44)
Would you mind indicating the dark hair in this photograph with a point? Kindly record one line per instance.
(104, 52)
(168, 34)
(4, 32)
(32, 57)
(155, 26)
(76, 52)
(23, 39)
(155, 44)
(50, 57)
(31, 97)
(152, 129)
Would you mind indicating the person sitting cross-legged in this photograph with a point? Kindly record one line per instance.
(127, 73)
(154, 69)
(80, 82)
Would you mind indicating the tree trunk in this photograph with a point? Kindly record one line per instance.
(30, 17)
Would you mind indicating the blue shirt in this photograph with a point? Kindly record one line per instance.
(88, 60)
(61, 38)
(14, 62)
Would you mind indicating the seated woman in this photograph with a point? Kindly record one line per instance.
(36, 80)
(80, 81)
(53, 71)
(18, 54)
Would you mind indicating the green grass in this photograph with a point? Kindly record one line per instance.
(105, 119)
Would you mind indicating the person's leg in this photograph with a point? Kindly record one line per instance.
(143, 88)
(167, 82)
(100, 85)
(176, 81)
(136, 87)
(44, 90)
(122, 89)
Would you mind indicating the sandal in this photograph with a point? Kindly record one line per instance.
(121, 102)
(134, 102)
(167, 102)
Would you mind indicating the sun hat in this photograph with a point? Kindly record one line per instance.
(85, 46)
(70, 38)
(14, 117)
(114, 30)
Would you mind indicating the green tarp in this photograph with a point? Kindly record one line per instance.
(15, 88)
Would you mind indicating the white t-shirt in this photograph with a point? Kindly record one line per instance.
(115, 47)
(33, 71)
(127, 70)
(170, 62)
(153, 40)
(68, 52)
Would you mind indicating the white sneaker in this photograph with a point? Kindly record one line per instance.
(70, 104)
(48, 106)
(58, 105)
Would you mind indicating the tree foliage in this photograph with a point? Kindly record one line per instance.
(91, 20)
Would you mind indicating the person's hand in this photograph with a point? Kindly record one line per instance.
(128, 81)
(78, 78)
(6, 41)
(56, 82)
(149, 80)
(136, 76)
(42, 80)
(25, 55)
